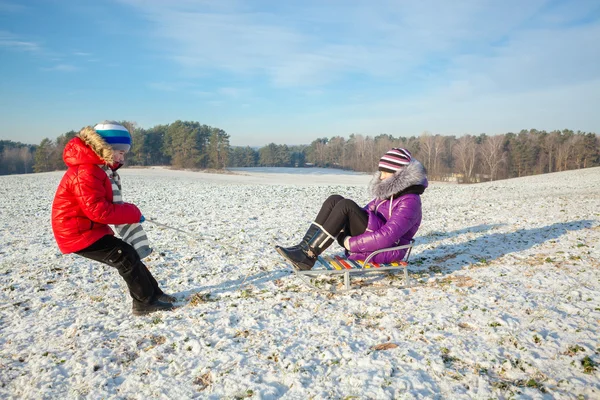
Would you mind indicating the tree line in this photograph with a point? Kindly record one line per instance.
(466, 159)
(181, 144)
(16, 158)
(469, 158)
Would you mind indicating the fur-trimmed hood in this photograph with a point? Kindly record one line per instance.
(98, 145)
(412, 175)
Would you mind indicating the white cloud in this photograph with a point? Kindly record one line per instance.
(232, 92)
(536, 59)
(10, 7)
(316, 43)
(164, 86)
(570, 106)
(191, 88)
(13, 42)
(61, 68)
(201, 93)
(463, 66)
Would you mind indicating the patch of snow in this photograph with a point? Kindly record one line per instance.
(507, 302)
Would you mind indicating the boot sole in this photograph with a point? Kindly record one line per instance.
(138, 313)
(146, 312)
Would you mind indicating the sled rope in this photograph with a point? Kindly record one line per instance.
(193, 235)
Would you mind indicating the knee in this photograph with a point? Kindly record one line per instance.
(345, 204)
(334, 199)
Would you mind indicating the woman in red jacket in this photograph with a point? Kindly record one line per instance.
(88, 200)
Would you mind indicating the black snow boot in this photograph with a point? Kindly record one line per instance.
(160, 295)
(304, 256)
(140, 308)
(167, 298)
(312, 229)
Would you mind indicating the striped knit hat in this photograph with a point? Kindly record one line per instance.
(115, 134)
(394, 160)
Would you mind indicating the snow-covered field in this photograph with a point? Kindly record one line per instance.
(507, 302)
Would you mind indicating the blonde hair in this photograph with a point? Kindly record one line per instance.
(91, 138)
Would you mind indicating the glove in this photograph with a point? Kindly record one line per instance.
(142, 219)
(347, 242)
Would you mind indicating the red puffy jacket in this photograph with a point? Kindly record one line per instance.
(83, 205)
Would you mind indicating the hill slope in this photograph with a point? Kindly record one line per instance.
(507, 302)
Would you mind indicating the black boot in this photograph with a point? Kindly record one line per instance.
(140, 308)
(312, 229)
(138, 281)
(142, 286)
(160, 295)
(305, 255)
(167, 298)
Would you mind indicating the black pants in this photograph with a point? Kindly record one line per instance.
(339, 214)
(113, 251)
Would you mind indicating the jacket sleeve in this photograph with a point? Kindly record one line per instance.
(403, 217)
(370, 205)
(89, 187)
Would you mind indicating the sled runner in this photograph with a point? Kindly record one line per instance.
(334, 266)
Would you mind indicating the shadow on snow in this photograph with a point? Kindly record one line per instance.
(452, 257)
(233, 285)
(445, 258)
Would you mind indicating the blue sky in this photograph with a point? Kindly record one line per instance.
(292, 71)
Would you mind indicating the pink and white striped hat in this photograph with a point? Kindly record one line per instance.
(394, 160)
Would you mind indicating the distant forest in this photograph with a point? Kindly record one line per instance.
(466, 159)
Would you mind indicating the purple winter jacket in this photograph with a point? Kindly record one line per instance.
(394, 214)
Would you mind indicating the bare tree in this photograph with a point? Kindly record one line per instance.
(320, 151)
(438, 151)
(492, 154)
(360, 155)
(566, 151)
(27, 159)
(11, 160)
(465, 153)
(428, 144)
(550, 144)
(372, 159)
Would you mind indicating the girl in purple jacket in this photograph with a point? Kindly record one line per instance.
(391, 219)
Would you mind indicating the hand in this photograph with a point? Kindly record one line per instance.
(347, 242)
(142, 219)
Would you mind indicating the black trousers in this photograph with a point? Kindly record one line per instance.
(339, 214)
(113, 251)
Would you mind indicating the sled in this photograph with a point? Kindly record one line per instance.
(335, 266)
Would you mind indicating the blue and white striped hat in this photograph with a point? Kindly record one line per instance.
(115, 134)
